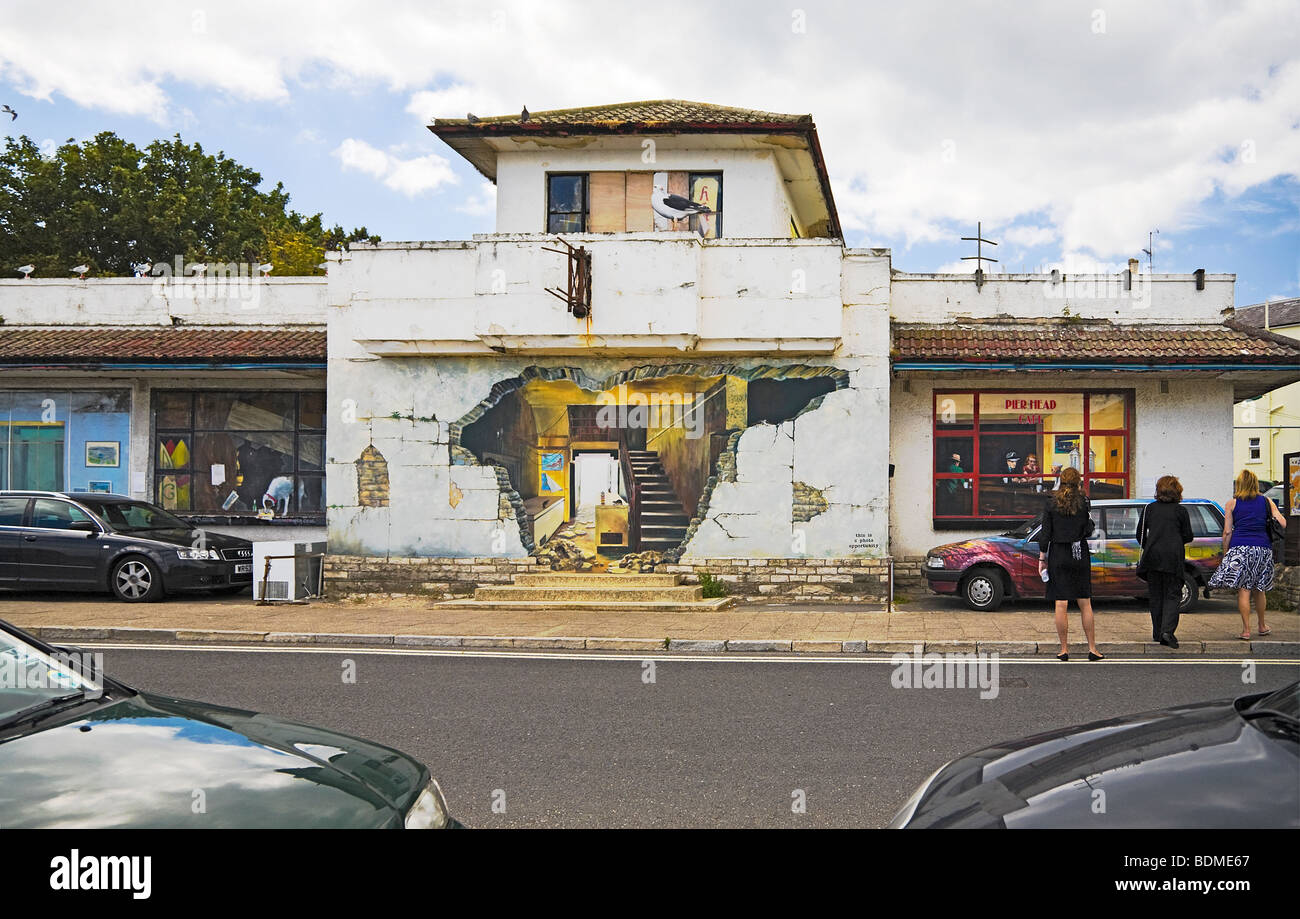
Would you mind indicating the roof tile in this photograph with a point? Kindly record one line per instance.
(27, 345)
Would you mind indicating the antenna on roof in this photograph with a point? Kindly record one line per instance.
(979, 257)
(1150, 251)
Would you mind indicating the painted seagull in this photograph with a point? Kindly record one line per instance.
(675, 207)
(13, 116)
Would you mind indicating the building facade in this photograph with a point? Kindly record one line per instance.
(1267, 428)
(664, 358)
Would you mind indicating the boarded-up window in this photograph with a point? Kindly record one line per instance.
(635, 202)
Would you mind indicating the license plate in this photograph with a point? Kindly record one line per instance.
(244, 569)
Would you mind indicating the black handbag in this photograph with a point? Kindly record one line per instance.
(1276, 532)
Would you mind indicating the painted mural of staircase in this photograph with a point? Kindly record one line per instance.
(605, 592)
(663, 519)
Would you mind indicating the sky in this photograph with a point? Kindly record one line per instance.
(1071, 130)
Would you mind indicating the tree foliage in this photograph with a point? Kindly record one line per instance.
(110, 205)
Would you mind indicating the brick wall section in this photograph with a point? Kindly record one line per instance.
(836, 580)
(360, 576)
(908, 575)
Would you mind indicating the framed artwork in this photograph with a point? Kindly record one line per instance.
(101, 488)
(103, 454)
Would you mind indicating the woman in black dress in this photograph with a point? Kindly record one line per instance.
(1063, 554)
(1163, 534)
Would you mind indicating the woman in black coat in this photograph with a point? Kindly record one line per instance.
(1163, 532)
(1063, 554)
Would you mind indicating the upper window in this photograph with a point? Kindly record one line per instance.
(566, 203)
(1255, 452)
(240, 453)
(997, 454)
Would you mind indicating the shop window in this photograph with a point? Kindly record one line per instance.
(256, 454)
(998, 454)
(64, 441)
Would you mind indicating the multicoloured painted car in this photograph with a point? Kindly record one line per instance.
(987, 570)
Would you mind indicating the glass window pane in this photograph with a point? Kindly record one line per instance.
(173, 451)
(1045, 412)
(954, 454)
(311, 411)
(171, 410)
(251, 411)
(1106, 411)
(1122, 522)
(311, 494)
(1101, 489)
(311, 453)
(11, 511)
(565, 223)
(1107, 453)
(57, 515)
(952, 497)
(1012, 496)
(566, 193)
(174, 492)
(956, 410)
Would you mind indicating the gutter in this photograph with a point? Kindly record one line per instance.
(968, 366)
(309, 365)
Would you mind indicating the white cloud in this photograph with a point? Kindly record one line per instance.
(932, 115)
(482, 203)
(409, 177)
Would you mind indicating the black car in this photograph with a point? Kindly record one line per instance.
(79, 750)
(95, 542)
(1210, 765)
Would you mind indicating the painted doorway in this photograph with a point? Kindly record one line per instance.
(594, 473)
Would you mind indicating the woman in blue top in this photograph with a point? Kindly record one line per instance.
(1248, 551)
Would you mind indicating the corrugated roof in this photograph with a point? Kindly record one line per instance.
(27, 345)
(652, 112)
(1092, 342)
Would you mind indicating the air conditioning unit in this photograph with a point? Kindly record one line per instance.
(295, 572)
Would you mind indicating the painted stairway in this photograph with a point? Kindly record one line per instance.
(663, 519)
(603, 591)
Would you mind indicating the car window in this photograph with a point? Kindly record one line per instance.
(1122, 522)
(11, 511)
(135, 515)
(32, 676)
(51, 514)
(1204, 521)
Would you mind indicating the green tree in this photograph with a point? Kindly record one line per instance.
(110, 205)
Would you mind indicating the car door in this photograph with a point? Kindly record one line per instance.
(1029, 583)
(1121, 552)
(1206, 548)
(12, 510)
(54, 554)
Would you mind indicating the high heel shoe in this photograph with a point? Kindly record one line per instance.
(1096, 657)
(1063, 657)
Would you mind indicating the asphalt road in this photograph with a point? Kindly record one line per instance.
(583, 741)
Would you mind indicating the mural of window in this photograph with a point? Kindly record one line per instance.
(566, 203)
(998, 454)
(258, 454)
(64, 441)
(706, 191)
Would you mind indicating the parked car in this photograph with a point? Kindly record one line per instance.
(81, 750)
(1230, 763)
(986, 570)
(102, 542)
(1276, 494)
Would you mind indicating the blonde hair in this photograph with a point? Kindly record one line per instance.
(1246, 486)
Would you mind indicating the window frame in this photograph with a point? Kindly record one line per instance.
(1254, 450)
(586, 200)
(974, 475)
(718, 205)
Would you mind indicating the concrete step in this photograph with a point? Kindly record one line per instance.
(610, 606)
(683, 593)
(601, 580)
(665, 518)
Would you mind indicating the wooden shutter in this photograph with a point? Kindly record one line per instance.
(639, 216)
(608, 203)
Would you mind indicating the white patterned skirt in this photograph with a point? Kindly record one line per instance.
(1245, 568)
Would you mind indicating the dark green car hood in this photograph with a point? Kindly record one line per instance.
(151, 761)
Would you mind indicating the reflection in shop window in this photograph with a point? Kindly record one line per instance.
(240, 453)
(998, 454)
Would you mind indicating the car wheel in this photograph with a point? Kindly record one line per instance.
(1190, 590)
(983, 589)
(136, 580)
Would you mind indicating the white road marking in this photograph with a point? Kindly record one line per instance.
(727, 658)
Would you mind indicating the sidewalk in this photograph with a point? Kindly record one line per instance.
(941, 624)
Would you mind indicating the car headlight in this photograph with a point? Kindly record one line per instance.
(199, 555)
(934, 561)
(904, 815)
(429, 812)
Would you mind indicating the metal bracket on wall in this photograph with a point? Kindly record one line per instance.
(578, 295)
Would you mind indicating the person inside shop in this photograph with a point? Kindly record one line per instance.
(1030, 471)
(1064, 561)
(952, 487)
(1163, 532)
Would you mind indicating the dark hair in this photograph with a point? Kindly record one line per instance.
(1168, 488)
(1069, 499)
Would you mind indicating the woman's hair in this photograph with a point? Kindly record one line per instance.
(1246, 486)
(1168, 488)
(1069, 498)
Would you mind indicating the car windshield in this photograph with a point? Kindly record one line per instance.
(1023, 530)
(134, 515)
(1285, 701)
(30, 679)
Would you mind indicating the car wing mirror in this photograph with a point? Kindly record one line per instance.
(84, 526)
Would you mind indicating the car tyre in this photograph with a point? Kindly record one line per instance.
(1191, 592)
(983, 589)
(135, 579)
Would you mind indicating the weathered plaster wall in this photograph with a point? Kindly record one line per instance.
(1186, 432)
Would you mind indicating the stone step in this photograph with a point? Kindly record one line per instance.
(663, 518)
(682, 593)
(610, 606)
(601, 581)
